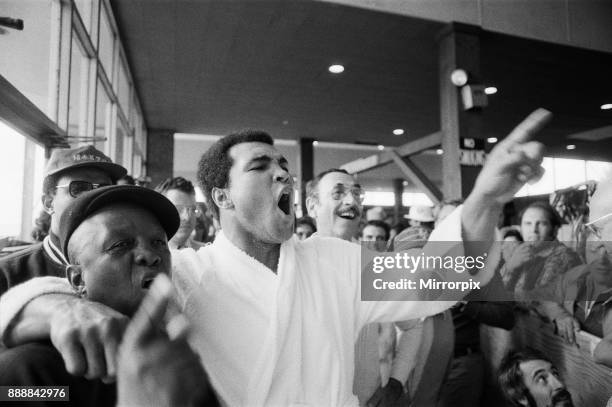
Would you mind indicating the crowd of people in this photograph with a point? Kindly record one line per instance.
(269, 312)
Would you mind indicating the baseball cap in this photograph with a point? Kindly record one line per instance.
(90, 202)
(88, 156)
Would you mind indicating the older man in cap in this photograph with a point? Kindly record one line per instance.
(115, 240)
(68, 174)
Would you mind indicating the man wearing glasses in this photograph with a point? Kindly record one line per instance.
(69, 173)
(334, 201)
(583, 296)
(181, 193)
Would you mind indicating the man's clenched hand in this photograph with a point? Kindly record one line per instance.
(87, 334)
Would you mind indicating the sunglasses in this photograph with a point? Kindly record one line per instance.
(76, 188)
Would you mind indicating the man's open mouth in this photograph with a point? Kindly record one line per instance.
(146, 283)
(349, 214)
(284, 203)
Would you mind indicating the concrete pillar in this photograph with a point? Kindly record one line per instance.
(459, 48)
(305, 169)
(398, 192)
(160, 154)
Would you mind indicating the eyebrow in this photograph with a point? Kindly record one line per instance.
(265, 158)
(351, 186)
(537, 372)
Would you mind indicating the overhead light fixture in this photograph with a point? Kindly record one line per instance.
(490, 90)
(381, 147)
(459, 77)
(336, 68)
(398, 132)
(570, 146)
(315, 143)
(439, 151)
(606, 106)
(492, 140)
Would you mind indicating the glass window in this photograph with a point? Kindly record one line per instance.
(137, 166)
(12, 155)
(84, 8)
(128, 150)
(598, 170)
(105, 49)
(78, 90)
(123, 90)
(119, 145)
(24, 60)
(569, 172)
(103, 112)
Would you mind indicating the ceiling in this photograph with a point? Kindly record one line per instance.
(214, 66)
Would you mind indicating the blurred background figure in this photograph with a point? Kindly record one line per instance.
(421, 215)
(305, 227)
(513, 235)
(143, 181)
(181, 193)
(42, 223)
(376, 213)
(397, 228)
(377, 232)
(541, 258)
(126, 180)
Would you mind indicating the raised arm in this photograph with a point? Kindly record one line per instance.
(87, 334)
(513, 162)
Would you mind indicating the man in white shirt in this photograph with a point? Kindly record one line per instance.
(272, 323)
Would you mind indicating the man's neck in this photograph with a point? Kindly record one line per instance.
(344, 235)
(267, 254)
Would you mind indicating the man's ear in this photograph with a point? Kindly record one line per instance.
(75, 276)
(47, 202)
(221, 198)
(311, 206)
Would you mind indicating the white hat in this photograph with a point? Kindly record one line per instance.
(421, 213)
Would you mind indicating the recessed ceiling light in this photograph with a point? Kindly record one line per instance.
(381, 147)
(571, 146)
(336, 68)
(398, 132)
(492, 140)
(459, 77)
(491, 90)
(405, 183)
(315, 143)
(606, 106)
(439, 151)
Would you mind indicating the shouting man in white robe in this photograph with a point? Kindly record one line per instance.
(274, 319)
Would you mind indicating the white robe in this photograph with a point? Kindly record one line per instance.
(288, 338)
(273, 339)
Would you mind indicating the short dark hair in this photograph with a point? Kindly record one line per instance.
(510, 376)
(179, 183)
(379, 224)
(215, 164)
(49, 184)
(306, 220)
(551, 213)
(514, 233)
(311, 186)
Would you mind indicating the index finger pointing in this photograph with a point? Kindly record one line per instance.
(528, 127)
(149, 318)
